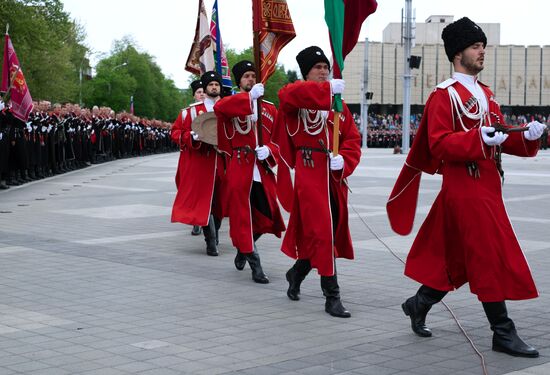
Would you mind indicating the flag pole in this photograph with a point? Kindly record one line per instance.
(336, 133)
(257, 63)
(337, 107)
(6, 96)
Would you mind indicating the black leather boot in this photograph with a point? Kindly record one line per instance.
(217, 225)
(240, 261)
(417, 308)
(13, 180)
(196, 230)
(31, 174)
(333, 304)
(505, 336)
(258, 274)
(295, 276)
(25, 176)
(209, 232)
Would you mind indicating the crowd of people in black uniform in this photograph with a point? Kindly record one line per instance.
(57, 139)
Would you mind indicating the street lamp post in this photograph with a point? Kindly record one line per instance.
(80, 81)
(112, 70)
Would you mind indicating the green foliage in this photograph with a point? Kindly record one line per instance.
(128, 72)
(49, 46)
(292, 76)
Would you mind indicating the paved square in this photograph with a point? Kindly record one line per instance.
(94, 279)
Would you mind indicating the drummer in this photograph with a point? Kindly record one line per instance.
(198, 201)
(253, 208)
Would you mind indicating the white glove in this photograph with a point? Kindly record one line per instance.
(262, 152)
(496, 140)
(29, 128)
(194, 135)
(257, 91)
(535, 131)
(336, 162)
(337, 85)
(43, 129)
(49, 128)
(1, 136)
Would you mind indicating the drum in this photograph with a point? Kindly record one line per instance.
(206, 127)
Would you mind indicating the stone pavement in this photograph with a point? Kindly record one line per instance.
(94, 279)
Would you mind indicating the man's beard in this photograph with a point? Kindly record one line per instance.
(212, 95)
(470, 66)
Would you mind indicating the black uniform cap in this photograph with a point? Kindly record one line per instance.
(461, 34)
(240, 68)
(310, 56)
(195, 85)
(210, 76)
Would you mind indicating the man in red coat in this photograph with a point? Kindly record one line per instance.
(318, 229)
(198, 95)
(198, 200)
(467, 236)
(253, 208)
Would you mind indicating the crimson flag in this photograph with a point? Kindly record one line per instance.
(13, 81)
(344, 19)
(273, 23)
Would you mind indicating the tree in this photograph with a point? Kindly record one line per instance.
(128, 72)
(49, 46)
(292, 76)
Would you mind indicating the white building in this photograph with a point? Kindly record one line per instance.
(518, 75)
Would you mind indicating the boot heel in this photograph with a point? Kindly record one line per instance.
(405, 309)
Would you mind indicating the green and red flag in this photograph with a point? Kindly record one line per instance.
(222, 66)
(344, 19)
(273, 25)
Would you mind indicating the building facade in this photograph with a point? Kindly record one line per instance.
(518, 75)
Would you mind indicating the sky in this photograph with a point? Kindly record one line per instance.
(165, 28)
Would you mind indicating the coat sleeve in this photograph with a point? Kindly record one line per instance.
(283, 141)
(177, 129)
(285, 190)
(310, 95)
(234, 106)
(186, 139)
(445, 142)
(517, 145)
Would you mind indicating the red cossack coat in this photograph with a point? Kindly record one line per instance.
(200, 174)
(310, 232)
(244, 220)
(467, 235)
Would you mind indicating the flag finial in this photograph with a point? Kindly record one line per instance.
(7, 28)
